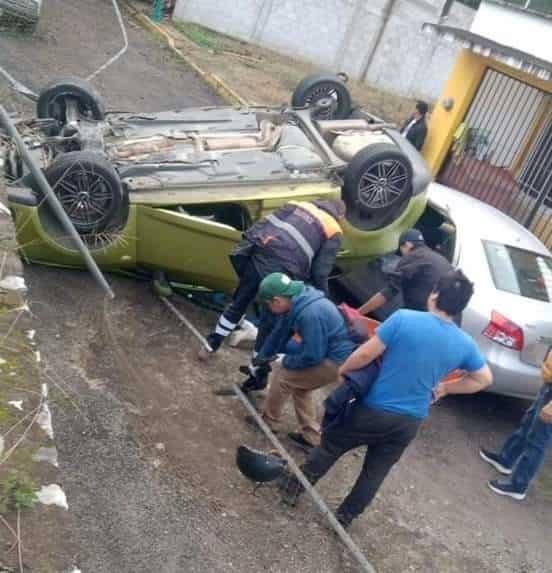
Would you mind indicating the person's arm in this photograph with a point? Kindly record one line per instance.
(314, 345)
(276, 341)
(393, 287)
(324, 261)
(546, 413)
(363, 355)
(471, 383)
(373, 303)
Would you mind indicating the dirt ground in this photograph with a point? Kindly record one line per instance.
(147, 456)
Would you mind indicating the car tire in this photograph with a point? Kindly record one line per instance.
(52, 100)
(377, 185)
(315, 88)
(89, 190)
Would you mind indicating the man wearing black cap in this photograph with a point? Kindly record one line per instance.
(417, 273)
(301, 239)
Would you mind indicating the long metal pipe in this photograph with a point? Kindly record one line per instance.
(54, 203)
(343, 535)
(121, 51)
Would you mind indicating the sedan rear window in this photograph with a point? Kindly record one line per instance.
(520, 272)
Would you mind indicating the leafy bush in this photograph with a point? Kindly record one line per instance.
(17, 492)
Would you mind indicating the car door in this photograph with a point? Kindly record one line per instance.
(191, 249)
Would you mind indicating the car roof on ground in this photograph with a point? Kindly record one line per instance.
(483, 220)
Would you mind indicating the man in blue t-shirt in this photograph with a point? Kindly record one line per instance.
(419, 349)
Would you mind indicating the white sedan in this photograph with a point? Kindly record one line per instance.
(509, 315)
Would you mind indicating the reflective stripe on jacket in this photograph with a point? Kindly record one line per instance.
(291, 237)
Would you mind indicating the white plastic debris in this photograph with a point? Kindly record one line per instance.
(1, 446)
(46, 455)
(31, 334)
(45, 420)
(12, 282)
(2, 361)
(16, 404)
(52, 495)
(247, 332)
(37, 355)
(4, 209)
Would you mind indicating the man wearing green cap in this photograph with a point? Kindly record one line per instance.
(323, 343)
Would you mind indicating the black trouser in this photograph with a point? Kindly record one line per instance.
(243, 296)
(387, 435)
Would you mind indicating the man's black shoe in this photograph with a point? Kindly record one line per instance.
(299, 440)
(344, 518)
(494, 460)
(291, 489)
(507, 489)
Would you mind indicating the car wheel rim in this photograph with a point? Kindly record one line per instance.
(85, 196)
(383, 184)
(320, 93)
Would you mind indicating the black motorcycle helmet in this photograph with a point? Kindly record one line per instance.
(258, 466)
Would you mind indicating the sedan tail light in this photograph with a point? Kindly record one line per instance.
(504, 331)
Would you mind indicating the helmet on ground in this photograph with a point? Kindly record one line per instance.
(258, 466)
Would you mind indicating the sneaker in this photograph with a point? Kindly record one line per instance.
(494, 460)
(291, 489)
(505, 488)
(344, 518)
(299, 440)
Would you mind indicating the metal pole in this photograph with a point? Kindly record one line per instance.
(343, 535)
(186, 322)
(121, 51)
(324, 509)
(54, 203)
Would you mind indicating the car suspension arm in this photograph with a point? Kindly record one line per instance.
(53, 201)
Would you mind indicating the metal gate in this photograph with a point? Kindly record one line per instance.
(502, 152)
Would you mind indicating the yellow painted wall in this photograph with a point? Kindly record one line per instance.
(461, 86)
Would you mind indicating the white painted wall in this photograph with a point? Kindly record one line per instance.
(340, 35)
(515, 28)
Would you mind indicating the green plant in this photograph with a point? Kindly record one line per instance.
(199, 35)
(17, 492)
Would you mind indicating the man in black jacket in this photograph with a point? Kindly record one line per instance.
(417, 273)
(301, 239)
(415, 127)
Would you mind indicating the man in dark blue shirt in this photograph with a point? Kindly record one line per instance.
(418, 350)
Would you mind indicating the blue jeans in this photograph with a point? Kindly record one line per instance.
(524, 450)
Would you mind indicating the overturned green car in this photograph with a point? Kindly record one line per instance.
(173, 191)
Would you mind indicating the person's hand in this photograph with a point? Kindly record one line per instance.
(279, 359)
(440, 391)
(546, 413)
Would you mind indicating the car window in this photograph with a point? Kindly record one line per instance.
(520, 272)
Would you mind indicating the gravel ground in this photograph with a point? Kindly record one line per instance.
(147, 457)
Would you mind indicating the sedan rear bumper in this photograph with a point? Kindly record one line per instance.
(512, 377)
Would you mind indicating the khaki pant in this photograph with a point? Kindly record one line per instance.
(300, 384)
